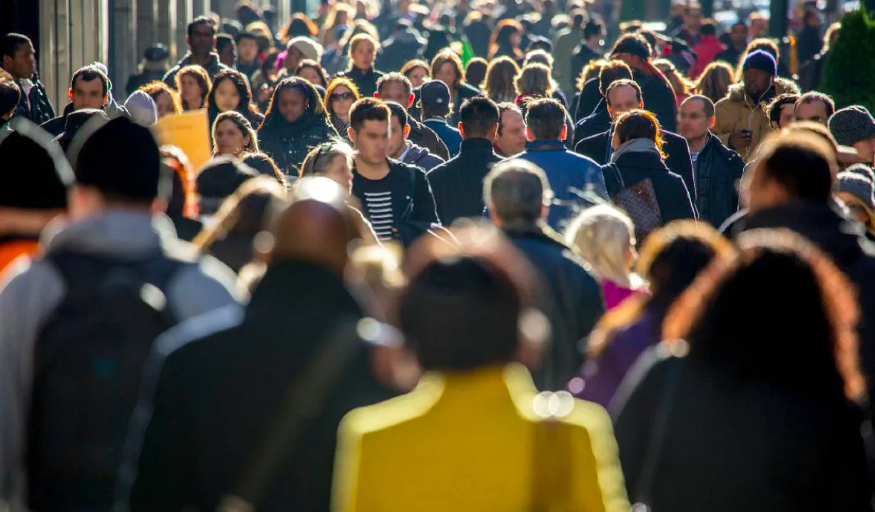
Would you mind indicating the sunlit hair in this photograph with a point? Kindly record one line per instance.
(604, 236)
(679, 83)
(639, 124)
(502, 35)
(320, 158)
(184, 200)
(670, 259)
(448, 56)
(809, 310)
(590, 71)
(200, 76)
(338, 82)
(359, 40)
(299, 25)
(242, 124)
(534, 80)
(156, 89)
(410, 65)
(500, 77)
(715, 81)
(250, 210)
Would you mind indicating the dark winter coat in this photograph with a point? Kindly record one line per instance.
(808, 44)
(366, 81)
(671, 193)
(213, 67)
(598, 147)
(730, 55)
(288, 143)
(56, 126)
(422, 135)
(588, 100)
(843, 241)
(420, 157)
(400, 48)
(573, 298)
(597, 122)
(718, 171)
(35, 105)
(458, 184)
(582, 55)
(141, 79)
(219, 381)
(567, 172)
(731, 444)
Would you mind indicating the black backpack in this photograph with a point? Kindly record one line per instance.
(88, 363)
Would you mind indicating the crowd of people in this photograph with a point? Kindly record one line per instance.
(443, 257)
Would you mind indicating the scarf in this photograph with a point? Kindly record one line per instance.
(635, 146)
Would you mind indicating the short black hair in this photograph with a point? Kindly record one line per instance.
(398, 112)
(737, 23)
(367, 109)
(812, 96)
(578, 19)
(479, 116)
(10, 95)
(773, 110)
(611, 72)
(706, 103)
(546, 118)
(10, 43)
(593, 28)
(89, 74)
(201, 20)
(245, 35)
(223, 40)
(800, 168)
(708, 28)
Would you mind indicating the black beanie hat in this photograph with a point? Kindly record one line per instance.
(633, 44)
(218, 179)
(120, 158)
(35, 173)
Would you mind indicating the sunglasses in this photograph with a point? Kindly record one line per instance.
(342, 96)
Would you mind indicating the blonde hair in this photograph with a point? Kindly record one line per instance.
(714, 82)
(604, 235)
(535, 79)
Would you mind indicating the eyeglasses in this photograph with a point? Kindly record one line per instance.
(342, 96)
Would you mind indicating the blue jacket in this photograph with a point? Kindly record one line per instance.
(567, 172)
(451, 136)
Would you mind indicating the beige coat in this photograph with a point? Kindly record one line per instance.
(738, 111)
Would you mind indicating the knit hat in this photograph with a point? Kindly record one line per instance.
(218, 179)
(310, 48)
(858, 186)
(35, 165)
(119, 157)
(764, 61)
(852, 124)
(142, 109)
(434, 94)
(633, 44)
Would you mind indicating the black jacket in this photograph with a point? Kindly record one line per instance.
(288, 143)
(808, 44)
(366, 81)
(845, 242)
(657, 95)
(35, 105)
(583, 54)
(222, 384)
(671, 193)
(402, 47)
(730, 55)
(141, 79)
(598, 147)
(593, 124)
(718, 171)
(573, 299)
(56, 125)
(213, 67)
(732, 444)
(422, 135)
(458, 183)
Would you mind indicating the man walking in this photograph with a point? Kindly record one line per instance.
(201, 42)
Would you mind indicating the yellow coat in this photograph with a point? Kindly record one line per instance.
(465, 442)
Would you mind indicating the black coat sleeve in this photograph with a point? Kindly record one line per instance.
(680, 162)
(594, 147)
(589, 99)
(424, 209)
(678, 204)
(660, 99)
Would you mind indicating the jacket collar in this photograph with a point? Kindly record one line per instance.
(358, 72)
(214, 60)
(540, 231)
(299, 284)
(476, 146)
(546, 145)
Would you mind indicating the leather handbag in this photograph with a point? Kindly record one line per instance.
(640, 204)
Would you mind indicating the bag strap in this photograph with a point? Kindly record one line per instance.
(304, 401)
(658, 435)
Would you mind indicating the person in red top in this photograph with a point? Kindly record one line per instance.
(707, 48)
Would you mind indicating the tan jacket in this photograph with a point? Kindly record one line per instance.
(738, 111)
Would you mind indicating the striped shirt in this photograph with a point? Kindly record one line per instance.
(379, 208)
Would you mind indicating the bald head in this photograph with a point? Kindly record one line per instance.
(317, 227)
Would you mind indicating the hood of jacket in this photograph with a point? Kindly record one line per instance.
(117, 233)
(842, 239)
(782, 86)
